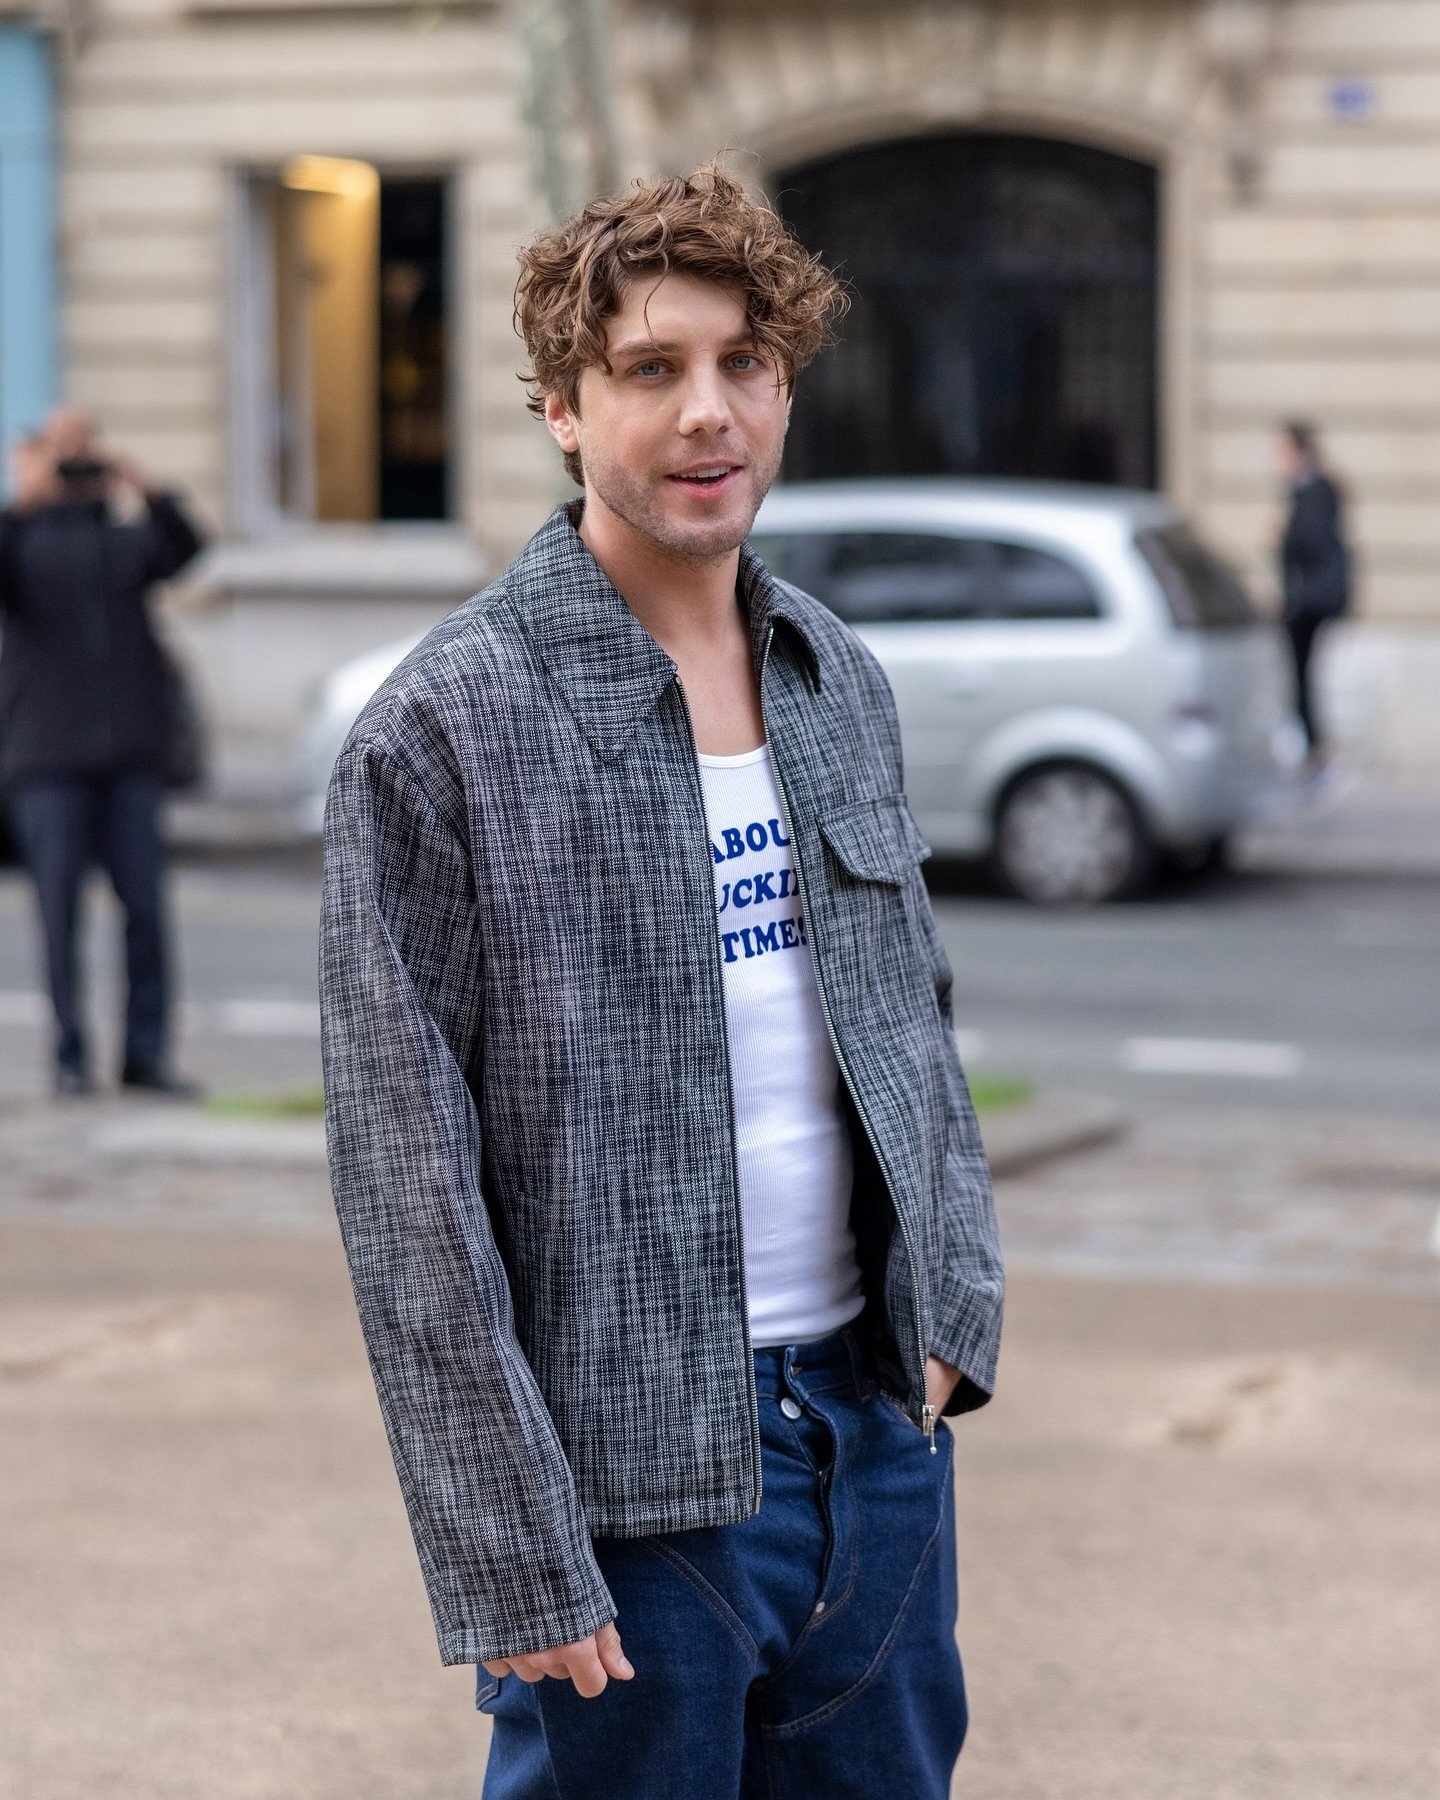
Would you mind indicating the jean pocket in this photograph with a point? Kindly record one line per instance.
(487, 1686)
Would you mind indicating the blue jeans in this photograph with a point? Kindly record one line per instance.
(807, 1653)
(63, 825)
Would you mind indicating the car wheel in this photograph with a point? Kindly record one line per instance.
(1069, 836)
(1211, 856)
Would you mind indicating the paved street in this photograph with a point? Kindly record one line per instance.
(1308, 993)
(1197, 1529)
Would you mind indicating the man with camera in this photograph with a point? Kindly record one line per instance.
(88, 716)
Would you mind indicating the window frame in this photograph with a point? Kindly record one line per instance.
(252, 359)
(998, 537)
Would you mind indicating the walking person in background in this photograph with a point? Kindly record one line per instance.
(668, 1217)
(1315, 566)
(86, 719)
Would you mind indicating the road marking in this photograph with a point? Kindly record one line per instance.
(230, 1018)
(266, 1018)
(1211, 1056)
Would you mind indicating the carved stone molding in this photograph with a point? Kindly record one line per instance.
(1239, 41)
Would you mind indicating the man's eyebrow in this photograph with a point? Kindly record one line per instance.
(650, 347)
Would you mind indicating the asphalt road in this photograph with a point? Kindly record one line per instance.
(1295, 991)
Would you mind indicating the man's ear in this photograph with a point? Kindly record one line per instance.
(560, 423)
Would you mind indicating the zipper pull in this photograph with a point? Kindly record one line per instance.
(927, 1425)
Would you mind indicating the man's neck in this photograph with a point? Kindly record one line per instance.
(681, 601)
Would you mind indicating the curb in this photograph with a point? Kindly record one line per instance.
(1055, 1124)
(1017, 1139)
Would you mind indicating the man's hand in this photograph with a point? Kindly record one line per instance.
(33, 470)
(588, 1663)
(127, 473)
(940, 1382)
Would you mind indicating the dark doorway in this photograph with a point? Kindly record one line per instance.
(414, 427)
(1005, 311)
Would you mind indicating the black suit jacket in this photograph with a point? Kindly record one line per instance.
(84, 686)
(1314, 556)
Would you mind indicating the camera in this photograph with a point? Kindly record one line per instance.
(81, 468)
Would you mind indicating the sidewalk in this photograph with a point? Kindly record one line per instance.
(1197, 1527)
(1365, 825)
(1197, 1531)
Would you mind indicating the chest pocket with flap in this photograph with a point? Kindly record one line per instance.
(875, 840)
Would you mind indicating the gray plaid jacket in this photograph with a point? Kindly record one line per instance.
(528, 1092)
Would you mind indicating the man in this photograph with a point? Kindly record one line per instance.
(1315, 564)
(86, 720)
(669, 1223)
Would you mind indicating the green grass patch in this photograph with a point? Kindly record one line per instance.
(295, 1103)
(993, 1093)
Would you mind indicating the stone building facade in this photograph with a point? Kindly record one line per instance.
(1292, 148)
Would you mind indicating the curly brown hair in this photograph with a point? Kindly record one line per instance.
(575, 277)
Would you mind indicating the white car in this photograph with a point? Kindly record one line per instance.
(1083, 687)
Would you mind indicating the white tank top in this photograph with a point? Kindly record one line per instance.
(792, 1143)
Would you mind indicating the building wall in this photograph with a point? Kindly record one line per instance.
(1316, 291)
(166, 110)
(1311, 288)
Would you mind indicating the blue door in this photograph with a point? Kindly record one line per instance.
(28, 360)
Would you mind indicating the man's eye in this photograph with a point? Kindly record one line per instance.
(649, 368)
(744, 361)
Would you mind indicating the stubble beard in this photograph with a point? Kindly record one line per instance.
(640, 507)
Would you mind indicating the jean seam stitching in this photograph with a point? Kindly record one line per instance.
(787, 1662)
(858, 1687)
(711, 1595)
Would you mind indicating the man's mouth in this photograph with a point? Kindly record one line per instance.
(709, 478)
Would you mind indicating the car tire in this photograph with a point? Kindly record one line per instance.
(1068, 835)
(1211, 856)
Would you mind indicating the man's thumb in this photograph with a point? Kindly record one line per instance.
(607, 1642)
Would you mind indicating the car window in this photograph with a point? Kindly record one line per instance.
(786, 555)
(1202, 592)
(883, 577)
(1039, 585)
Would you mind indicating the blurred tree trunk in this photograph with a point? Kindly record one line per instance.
(570, 107)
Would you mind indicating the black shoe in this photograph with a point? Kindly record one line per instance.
(157, 1081)
(72, 1083)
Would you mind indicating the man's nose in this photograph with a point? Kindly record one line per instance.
(705, 406)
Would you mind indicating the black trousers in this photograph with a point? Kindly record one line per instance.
(63, 826)
(1303, 633)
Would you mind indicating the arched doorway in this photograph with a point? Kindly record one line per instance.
(1005, 311)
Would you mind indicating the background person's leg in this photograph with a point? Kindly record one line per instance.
(1302, 634)
(134, 856)
(54, 824)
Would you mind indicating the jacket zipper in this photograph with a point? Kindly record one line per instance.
(730, 1103)
(927, 1411)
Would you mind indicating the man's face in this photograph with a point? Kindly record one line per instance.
(69, 435)
(682, 439)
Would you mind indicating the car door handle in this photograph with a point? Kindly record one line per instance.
(963, 684)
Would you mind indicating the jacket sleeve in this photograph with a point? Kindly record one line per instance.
(502, 1540)
(9, 537)
(966, 1328)
(171, 540)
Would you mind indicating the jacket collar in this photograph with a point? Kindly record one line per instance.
(609, 668)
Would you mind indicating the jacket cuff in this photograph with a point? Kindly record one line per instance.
(966, 1334)
(548, 1631)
